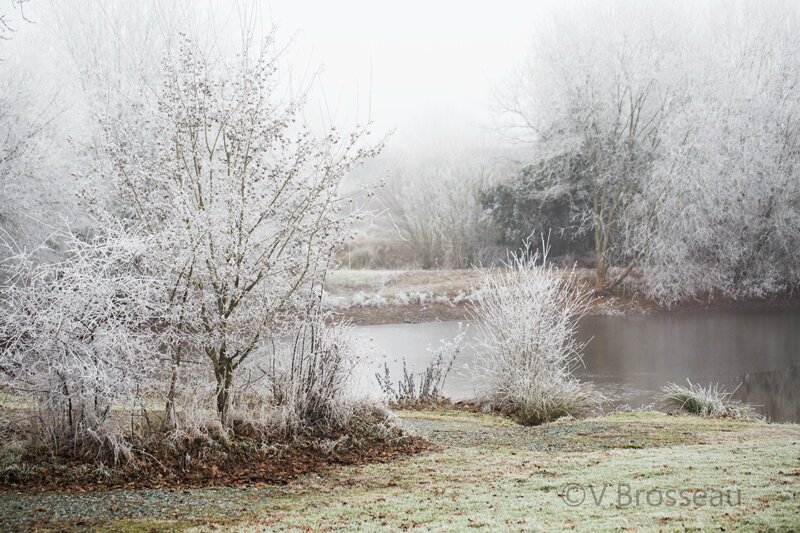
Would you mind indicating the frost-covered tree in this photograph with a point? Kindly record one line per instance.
(434, 203)
(687, 122)
(729, 219)
(242, 199)
(598, 89)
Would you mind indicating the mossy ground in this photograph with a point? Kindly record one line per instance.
(491, 474)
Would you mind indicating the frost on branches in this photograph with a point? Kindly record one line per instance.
(212, 312)
(729, 218)
(243, 202)
(76, 343)
(686, 143)
(526, 324)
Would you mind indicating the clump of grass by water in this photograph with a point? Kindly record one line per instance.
(710, 401)
(539, 402)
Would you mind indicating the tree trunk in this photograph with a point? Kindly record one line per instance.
(599, 274)
(170, 418)
(224, 375)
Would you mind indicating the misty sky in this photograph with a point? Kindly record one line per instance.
(434, 63)
(429, 66)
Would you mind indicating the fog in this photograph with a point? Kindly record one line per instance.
(429, 67)
(236, 235)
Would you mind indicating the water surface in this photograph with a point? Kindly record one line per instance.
(632, 357)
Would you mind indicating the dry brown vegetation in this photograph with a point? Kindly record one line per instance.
(245, 455)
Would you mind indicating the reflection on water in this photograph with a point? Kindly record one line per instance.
(776, 391)
(632, 357)
(394, 342)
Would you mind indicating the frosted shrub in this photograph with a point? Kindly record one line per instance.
(361, 299)
(76, 345)
(303, 384)
(461, 296)
(442, 299)
(526, 322)
(312, 382)
(401, 298)
(425, 388)
(419, 297)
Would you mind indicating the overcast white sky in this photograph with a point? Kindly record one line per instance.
(434, 63)
(430, 66)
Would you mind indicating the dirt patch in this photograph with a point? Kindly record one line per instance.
(399, 314)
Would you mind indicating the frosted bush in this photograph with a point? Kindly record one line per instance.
(419, 297)
(711, 401)
(303, 384)
(401, 298)
(361, 299)
(426, 387)
(459, 297)
(358, 299)
(77, 343)
(526, 324)
(442, 299)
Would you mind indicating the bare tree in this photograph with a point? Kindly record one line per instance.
(243, 199)
(435, 204)
(597, 90)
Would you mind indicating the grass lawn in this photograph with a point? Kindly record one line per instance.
(491, 474)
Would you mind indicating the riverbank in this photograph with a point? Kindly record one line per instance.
(372, 297)
(487, 474)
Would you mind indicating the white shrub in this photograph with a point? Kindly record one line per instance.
(426, 387)
(526, 324)
(711, 401)
(401, 298)
(303, 383)
(442, 299)
(77, 342)
(361, 299)
(460, 297)
(419, 297)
